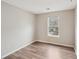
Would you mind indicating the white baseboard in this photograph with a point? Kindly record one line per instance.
(17, 49)
(56, 43)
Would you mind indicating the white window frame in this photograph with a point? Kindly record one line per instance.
(48, 27)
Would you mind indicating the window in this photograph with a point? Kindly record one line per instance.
(53, 29)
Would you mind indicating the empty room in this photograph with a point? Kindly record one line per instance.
(38, 29)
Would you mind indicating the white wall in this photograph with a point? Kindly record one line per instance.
(66, 28)
(17, 28)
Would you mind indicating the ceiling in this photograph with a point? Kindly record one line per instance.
(43, 6)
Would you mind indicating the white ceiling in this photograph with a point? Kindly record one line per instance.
(39, 6)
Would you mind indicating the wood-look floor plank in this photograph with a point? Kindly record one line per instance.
(40, 50)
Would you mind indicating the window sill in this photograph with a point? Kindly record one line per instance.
(53, 35)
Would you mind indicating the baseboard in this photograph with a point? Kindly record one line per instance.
(75, 51)
(17, 49)
(71, 46)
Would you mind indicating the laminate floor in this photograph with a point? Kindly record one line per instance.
(40, 50)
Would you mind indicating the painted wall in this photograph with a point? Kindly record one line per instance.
(66, 28)
(17, 28)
